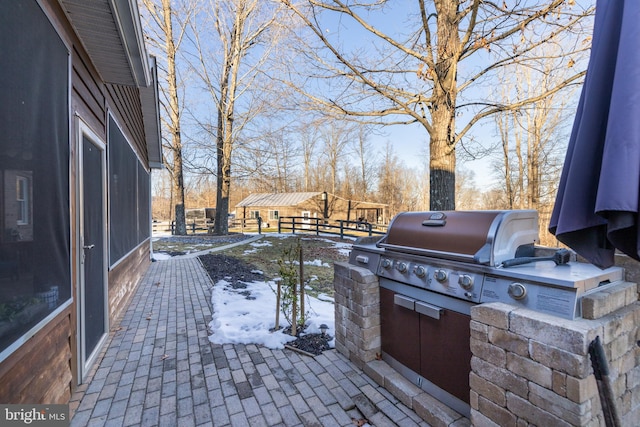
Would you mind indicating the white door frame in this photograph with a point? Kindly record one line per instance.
(85, 361)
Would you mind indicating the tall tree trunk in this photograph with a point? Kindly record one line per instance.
(223, 158)
(174, 112)
(223, 150)
(534, 166)
(226, 106)
(442, 163)
(223, 176)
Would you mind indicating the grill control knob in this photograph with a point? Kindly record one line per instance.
(420, 271)
(517, 291)
(465, 281)
(440, 275)
(386, 264)
(401, 267)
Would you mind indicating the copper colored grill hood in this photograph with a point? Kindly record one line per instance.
(481, 237)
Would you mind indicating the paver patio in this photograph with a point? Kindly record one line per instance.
(159, 369)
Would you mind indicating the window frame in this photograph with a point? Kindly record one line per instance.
(24, 202)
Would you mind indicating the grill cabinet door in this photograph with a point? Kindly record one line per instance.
(446, 355)
(400, 331)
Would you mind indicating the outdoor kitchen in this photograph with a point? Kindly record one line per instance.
(463, 318)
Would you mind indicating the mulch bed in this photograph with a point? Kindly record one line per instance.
(311, 343)
(231, 269)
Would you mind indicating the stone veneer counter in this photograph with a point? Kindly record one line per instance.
(527, 368)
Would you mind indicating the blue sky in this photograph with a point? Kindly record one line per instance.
(410, 142)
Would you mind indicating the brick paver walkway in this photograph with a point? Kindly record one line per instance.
(159, 368)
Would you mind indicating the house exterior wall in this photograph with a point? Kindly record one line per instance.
(124, 279)
(44, 368)
(32, 375)
(125, 105)
(311, 205)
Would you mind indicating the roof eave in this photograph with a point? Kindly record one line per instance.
(127, 18)
(111, 33)
(149, 100)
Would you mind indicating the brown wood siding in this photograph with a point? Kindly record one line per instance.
(41, 370)
(125, 105)
(44, 369)
(337, 209)
(88, 98)
(282, 212)
(124, 279)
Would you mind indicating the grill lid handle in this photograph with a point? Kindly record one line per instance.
(561, 257)
(436, 219)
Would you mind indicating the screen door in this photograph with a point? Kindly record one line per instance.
(92, 295)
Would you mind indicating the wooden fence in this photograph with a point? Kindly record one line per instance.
(202, 226)
(193, 227)
(246, 224)
(317, 226)
(293, 224)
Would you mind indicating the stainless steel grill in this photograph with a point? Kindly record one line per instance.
(434, 266)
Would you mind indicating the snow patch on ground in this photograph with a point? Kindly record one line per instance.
(245, 315)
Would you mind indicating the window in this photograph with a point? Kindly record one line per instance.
(35, 233)
(274, 215)
(129, 206)
(254, 214)
(22, 199)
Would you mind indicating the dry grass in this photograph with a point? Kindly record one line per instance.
(319, 254)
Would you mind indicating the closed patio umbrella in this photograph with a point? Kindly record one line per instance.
(596, 209)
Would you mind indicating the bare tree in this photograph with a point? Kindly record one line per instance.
(273, 163)
(335, 137)
(431, 68)
(390, 181)
(467, 194)
(513, 186)
(161, 202)
(533, 139)
(364, 155)
(230, 42)
(162, 37)
(309, 137)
